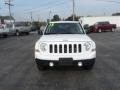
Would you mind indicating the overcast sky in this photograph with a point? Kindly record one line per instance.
(41, 8)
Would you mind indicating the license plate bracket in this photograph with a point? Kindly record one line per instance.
(65, 61)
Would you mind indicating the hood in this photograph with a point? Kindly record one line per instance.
(65, 38)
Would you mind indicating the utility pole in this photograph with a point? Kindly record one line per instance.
(31, 15)
(73, 10)
(9, 5)
(50, 16)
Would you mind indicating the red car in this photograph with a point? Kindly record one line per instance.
(102, 26)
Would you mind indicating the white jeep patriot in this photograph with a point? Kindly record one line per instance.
(65, 43)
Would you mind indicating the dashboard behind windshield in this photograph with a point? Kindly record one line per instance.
(64, 28)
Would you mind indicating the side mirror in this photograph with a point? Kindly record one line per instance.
(86, 28)
(40, 32)
(87, 31)
(42, 28)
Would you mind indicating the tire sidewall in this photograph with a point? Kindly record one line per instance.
(99, 30)
(113, 30)
(17, 33)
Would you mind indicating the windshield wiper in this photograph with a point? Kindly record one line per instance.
(70, 33)
(61, 33)
(49, 33)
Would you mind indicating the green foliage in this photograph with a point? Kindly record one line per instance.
(56, 18)
(70, 18)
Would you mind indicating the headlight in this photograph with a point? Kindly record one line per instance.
(87, 46)
(43, 47)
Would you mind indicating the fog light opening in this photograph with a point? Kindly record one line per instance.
(51, 64)
(80, 64)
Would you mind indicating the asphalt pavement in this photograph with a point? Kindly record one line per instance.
(18, 70)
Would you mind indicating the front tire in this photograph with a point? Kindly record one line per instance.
(99, 30)
(38, 32)
(27, 33)
(5, 36)
(90, 65)
(17, 33)
(41, 67)
(112, 30)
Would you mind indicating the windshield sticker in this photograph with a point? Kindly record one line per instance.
(51, 25)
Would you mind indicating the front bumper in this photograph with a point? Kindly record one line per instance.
(58, 63)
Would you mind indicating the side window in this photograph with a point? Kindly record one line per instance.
(107, 23)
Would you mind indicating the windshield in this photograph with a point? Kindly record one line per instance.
(64, 28)
(102, 23)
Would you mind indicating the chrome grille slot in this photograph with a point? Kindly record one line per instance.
(75, 48)
(70, 48)
(60, 48)
(51, 48)
(65, 48)
(79, 48)
(55, 49)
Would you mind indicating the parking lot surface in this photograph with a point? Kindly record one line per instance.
(18, 70)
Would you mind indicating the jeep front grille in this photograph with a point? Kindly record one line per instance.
(65, 48)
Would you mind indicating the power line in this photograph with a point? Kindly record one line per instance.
(46, 8)
(47, 4)
(58, 4)
(109, 1)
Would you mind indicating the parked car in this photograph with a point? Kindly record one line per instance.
(33, 29)
(65, 43)
(21, 28)
(18, 29)
(102, 26)
(3, 31)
